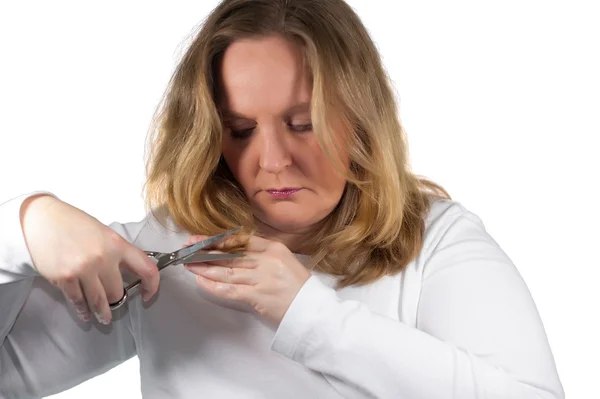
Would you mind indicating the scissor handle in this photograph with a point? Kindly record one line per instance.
(121, 302)
(172, 257)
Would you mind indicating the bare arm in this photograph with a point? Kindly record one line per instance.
(45, 347)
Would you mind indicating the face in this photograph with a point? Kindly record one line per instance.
(269, 144)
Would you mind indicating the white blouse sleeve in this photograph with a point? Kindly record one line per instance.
(45, 348)
(478, 332)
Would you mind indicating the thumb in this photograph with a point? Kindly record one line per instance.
(194, 239)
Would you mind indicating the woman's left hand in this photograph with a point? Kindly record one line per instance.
(268, 277)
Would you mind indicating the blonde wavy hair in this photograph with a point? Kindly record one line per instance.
(378, 226)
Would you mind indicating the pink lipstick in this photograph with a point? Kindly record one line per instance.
(283, 193)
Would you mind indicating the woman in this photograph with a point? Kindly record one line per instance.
(359, 280)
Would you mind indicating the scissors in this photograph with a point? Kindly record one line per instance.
(189, 254)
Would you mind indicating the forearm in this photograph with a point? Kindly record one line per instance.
(44, 348)
(376, 356)
(31, 206)
(16, 215)
(16, 268)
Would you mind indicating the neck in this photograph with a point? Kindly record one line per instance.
(295, 241)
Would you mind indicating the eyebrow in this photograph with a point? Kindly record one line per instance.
(300, 107)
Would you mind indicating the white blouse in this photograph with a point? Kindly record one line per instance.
(458, 322)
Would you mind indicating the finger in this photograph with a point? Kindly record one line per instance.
(137, 262)
(259, 244)
(112, 281)
(245, 262)
(194, 239)
(74, 294)
(251, 242)
(237, 292)
(232, 241)
(95, 295)
(225, 274)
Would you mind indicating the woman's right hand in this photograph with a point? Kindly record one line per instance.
(81, 256)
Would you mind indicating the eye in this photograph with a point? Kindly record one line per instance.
(307, 127)
(240, 134)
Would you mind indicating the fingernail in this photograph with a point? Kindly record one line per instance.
(101, 319)
(84, 316)
(146, 296)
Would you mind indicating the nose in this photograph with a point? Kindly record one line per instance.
(274, 152)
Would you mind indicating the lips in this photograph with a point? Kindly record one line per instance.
(285, 192)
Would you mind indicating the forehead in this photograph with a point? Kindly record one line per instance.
(263, 73)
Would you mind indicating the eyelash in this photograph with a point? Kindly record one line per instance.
(245, 133)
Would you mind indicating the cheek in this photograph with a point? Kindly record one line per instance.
(330, 179)
(236, 160)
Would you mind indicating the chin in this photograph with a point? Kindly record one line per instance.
(289, 220)
(287, 224)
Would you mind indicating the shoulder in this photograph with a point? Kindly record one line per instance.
(454, 234)
(442, 214)
(155, 232)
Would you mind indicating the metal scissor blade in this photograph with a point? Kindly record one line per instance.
(203, 257)
(182, 253)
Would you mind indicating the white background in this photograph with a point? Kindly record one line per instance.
(501, 102)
